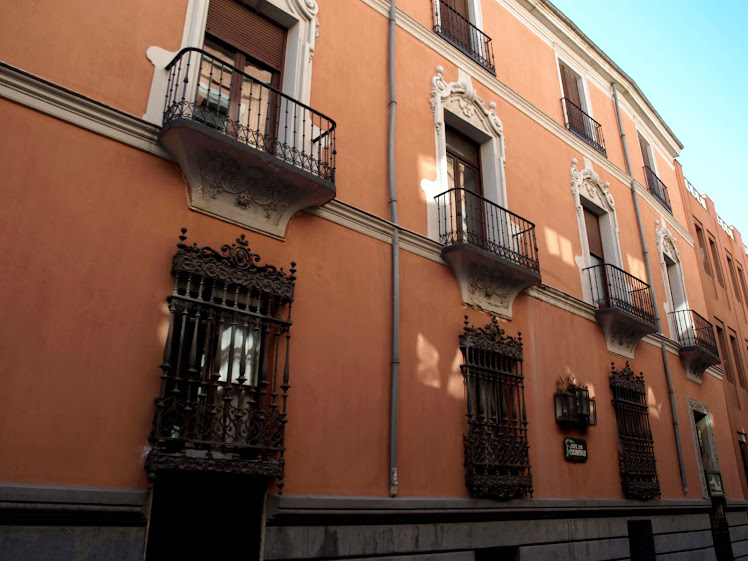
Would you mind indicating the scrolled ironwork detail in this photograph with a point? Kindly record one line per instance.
(225, 370)
(636, 458)
(497, 457)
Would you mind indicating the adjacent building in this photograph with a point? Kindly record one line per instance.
(353, 279)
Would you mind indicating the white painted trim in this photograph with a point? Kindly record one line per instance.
(584, 93)
(664, 236)
(53, 100)
(299, 17)
(702, 408)
(460, 100)
(596, 194)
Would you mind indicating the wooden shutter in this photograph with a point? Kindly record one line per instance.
(247, 31)
(644, 145)
(459, 6)
(569, 79)
(594, 239)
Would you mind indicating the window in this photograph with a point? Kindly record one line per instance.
(742, 283)
(636, 457)
(702, 250)
(646, 149)
(577, 110)
(242, 104)
(594, 238)
(460, 23)
(654, 184)
(743, 453)
(734, 277)
(225, 365)
(738, 359)
(220, 19)
(496, 449)
(469, 146)
(715, 258)
(724, 354)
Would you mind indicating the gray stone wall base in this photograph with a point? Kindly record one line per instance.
(69, 543)
(420, 530)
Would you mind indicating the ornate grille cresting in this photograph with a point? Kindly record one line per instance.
(636, 458)
(496, 449)
(225, 371)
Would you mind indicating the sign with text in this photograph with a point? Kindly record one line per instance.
(575, 449)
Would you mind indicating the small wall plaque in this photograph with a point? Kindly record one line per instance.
(575, 449)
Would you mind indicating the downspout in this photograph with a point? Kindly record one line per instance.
(673, 409)
(395, 369)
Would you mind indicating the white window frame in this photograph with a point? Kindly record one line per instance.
(702, 408)
(299, 17)
(666, 246)
(584, 92)
(650, 148)
(591, 193)
(475, 14)
(458, 106)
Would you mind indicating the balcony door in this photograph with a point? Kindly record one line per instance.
(464, 175)
(600, 288)
(241, 104)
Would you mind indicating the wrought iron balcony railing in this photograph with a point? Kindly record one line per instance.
(465, 217)
(693, 330)
(456, 29)
(584, 126)
(612, 287)
(207, 90)
(657, 188)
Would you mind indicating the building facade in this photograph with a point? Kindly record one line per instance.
(345, 279)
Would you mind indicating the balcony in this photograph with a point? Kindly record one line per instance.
(698, 346)
(250, 154)
(584, 126)
(624, 307)
(492, 251)
(657, 188)
(457, 30)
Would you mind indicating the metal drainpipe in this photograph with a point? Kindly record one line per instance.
(395, 371)
(673, 409)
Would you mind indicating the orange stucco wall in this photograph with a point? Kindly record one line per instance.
(90, 226)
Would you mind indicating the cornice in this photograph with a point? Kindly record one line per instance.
(424, 34)
(64, 104)
(565, 31)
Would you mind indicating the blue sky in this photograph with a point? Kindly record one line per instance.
(691, 61)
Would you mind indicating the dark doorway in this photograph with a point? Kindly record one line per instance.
(205, 516)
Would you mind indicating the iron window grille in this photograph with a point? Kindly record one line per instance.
(205, 89)
(225, 370)
(584, 126)
(457, 30)
(573, 403)
(496, 449)
(636, 457)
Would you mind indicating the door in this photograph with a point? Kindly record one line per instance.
(464, 176)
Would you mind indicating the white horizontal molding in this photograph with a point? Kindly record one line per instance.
(54, 100)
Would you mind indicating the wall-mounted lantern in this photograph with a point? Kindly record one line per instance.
(574, 405)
